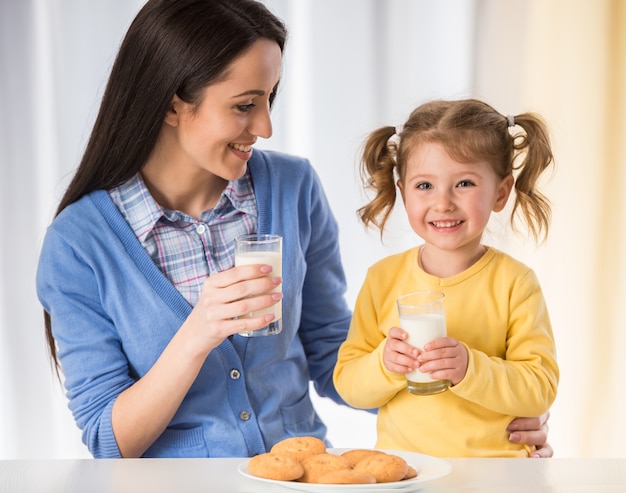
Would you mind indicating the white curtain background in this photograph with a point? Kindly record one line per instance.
(350, 66)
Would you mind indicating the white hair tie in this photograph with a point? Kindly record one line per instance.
(510, 120)
(399, 129)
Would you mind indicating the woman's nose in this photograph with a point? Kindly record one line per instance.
(261, 124)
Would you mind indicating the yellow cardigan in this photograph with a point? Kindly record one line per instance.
(497, 309)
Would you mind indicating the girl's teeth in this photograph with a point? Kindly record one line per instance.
(447, 224)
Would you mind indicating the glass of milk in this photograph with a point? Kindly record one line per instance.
(423, 317)
(262, 249)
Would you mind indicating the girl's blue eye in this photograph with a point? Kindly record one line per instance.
(465, 183)
(424, 186)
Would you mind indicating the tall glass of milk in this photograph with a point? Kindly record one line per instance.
(423, 317)
(262, 249)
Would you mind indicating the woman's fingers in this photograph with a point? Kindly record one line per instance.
(543, 452)
(532, 431)
(247, 306)
(236, 275)
(229, 297)
(233, 326)
(238, 283)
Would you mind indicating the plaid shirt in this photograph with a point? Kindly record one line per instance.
(186, 249)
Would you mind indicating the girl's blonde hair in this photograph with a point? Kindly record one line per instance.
(470, 131)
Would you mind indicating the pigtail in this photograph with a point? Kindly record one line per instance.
(533, 206)
(377, 174)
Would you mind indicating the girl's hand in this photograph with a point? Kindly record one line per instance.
(444, 358)
(398, 356)
(230, 294)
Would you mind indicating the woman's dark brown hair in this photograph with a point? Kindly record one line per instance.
(172, 47)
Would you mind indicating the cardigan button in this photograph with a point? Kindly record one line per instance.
(244, 415)
(235, 374)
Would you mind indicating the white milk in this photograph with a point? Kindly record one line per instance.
(422, 328)
(275, 259)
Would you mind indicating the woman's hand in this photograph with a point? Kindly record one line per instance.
(226, 296)
(532, 431)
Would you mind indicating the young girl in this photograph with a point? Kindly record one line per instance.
(455, 163)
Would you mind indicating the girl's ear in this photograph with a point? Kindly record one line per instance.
(399, 183)
(172, 117)
(504, 190)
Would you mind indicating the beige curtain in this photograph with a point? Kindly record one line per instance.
(566, 59)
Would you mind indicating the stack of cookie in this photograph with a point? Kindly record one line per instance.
(307, 460)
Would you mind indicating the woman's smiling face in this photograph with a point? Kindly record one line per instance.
(217, 134)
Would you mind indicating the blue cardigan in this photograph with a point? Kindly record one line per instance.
(113, 312)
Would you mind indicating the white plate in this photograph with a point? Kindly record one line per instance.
(427, 467)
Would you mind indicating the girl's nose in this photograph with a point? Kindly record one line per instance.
(444, 201)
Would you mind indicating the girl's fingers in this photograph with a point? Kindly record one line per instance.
(398, 333)
(398, 356)
(441, 343)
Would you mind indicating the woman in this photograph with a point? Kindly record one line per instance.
(136, 272)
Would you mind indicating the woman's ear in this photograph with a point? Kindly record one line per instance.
(172, 117)
(504, 190)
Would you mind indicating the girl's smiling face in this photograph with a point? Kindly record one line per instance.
(449, 203)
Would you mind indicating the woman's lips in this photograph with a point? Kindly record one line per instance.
(242, 151)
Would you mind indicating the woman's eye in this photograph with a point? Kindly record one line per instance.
(245, 108)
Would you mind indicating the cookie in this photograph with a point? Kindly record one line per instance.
(299, 448)
(346, 476)
(357, 455)
(384, 467)
(411, 473)
(318, 465)
(274, 466)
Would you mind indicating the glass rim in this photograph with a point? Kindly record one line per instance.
(438, 296)
(258, 238)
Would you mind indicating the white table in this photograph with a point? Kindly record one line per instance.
(221, 476)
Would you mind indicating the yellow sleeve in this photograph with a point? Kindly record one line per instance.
(524, 383)
(360, 376)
